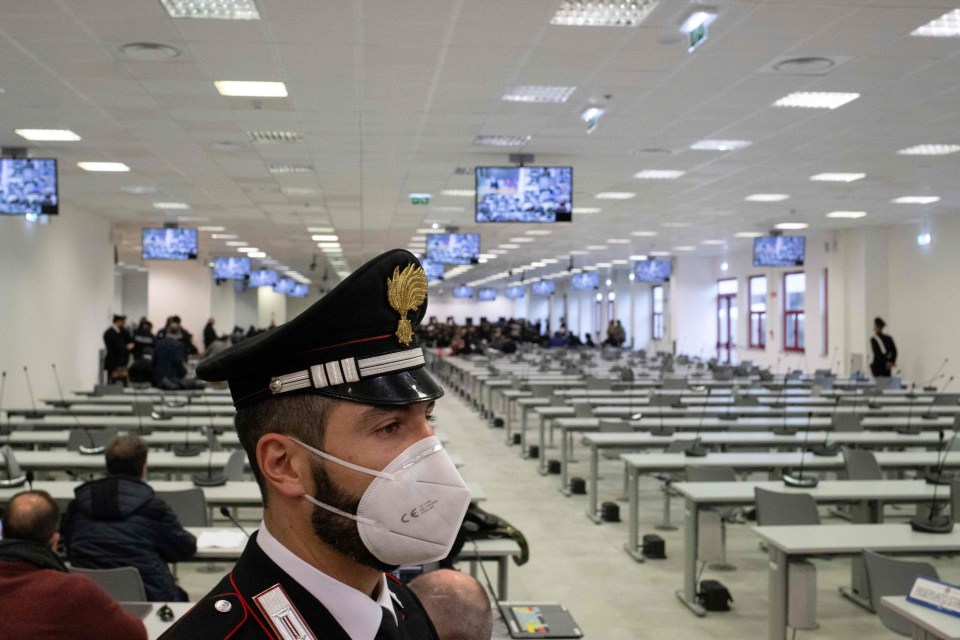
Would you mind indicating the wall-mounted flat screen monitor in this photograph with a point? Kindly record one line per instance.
(29, 185)
(453, 248)
(515, 292)
(285, 286)
(585, 280)
(779, 251)
(169, 244)
(652, 270)
(263, 278)
(524, 194)
(432, 269)
(544, 287)
(300, 290)
(231, 268)
(487, 294)
(463, 291)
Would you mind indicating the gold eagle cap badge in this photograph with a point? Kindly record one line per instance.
(406, 291)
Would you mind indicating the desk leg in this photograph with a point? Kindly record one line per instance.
(859, 590)
(502, 578)
(508, 423)
(633, 543)
(542, 453)
(592, 483)
(523, 432)
(564, 453)
(688, 595)
(777, 594)
(666, 525)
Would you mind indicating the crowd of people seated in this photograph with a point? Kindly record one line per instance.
(505, 334)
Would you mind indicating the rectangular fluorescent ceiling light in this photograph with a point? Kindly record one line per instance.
(720, 145)
(917, 200)
(621, 262)
(224, 236)
(103, 166)
(522, 239)
(320, 229)
(847, 214)
(767, 197)
(685, 247)
(660, 253)
(838, 177)
(212, 9)
(257, 254)
(791, 226)
(946, 26)
(211, 228)
(498, 252)
(509, 246)
(247, 249)
(300, 191)
(930, 150)
(596, 247)
(177, 206)
(578, 252)
(604, 265)
(747, 234)
(236, 243)
(251, 89)
(638, 257)
(502, 141)
(713, 242)
(644, 234)
(602, 13)
(447, 209)
(192, 218)
(47, 135)
(549, 261)
(701, 17)
(273, 137)
(615, 195)
(537, 232)
(538, 93)
(816, 99)
(488, 256)
(459, 193)
(618, 241)
(290, 168)
(329, 245)
(325, 238)
(658, 174)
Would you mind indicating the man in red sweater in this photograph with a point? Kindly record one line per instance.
(40, 599)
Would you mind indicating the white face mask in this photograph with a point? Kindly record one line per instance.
(413, 509)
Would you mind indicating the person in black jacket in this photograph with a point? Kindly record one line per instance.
(118, 521)
(169, 361)
(884, 351)
(118, 343)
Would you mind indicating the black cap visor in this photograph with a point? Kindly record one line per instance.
(394, 389)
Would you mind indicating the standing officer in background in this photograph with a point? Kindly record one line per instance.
(334, 411)
(884, 351)
(118, 344)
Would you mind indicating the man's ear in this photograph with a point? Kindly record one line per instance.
(54, 541)
(283, 465)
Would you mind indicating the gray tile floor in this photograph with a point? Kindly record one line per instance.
(583, 565)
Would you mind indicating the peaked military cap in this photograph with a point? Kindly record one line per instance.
(356, 343)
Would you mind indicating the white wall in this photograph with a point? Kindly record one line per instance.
(180, 288)
(56, 297)
(693, 307)
(134, 297)
(445, 305)
(271, 308)
(223, 309)
(245, 309)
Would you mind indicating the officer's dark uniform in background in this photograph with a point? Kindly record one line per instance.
(370, 315)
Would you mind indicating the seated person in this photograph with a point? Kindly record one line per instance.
(169, 360)
(456, 603)
(117, 521)
(39, 598)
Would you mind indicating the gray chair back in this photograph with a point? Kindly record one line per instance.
(677, 446)
(233, 470)
(123, 584)
(142, 407)
(190, 505)
(542, 390)
(15, 477)
(583, 408)
(710, 474)
(847, 422)
(775, 508)
(749, 400)
(892, 577)
(615, 426)
(598, 383)
(946, 399)
(860, 464)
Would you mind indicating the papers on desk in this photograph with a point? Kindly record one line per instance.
(225, 539)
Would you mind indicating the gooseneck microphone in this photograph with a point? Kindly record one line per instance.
(695, 449)
(929, 414)
(187, 449)
(929, 386)
(939, 476)
(92, 448)
(229, 516)
(828, 448)
(934, 521)
(210, 479)
(4, 430)
(909, 429)
(34, 413)
(800, 480)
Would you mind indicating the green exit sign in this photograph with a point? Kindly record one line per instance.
(420, 198)
(697, 37)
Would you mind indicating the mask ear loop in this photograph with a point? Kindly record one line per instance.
(343, 463)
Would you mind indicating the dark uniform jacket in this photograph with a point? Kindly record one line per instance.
(118, 521)
(881, 356)
(255, 573)
(116, 343)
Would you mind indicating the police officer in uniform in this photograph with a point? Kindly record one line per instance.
(334, 411)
